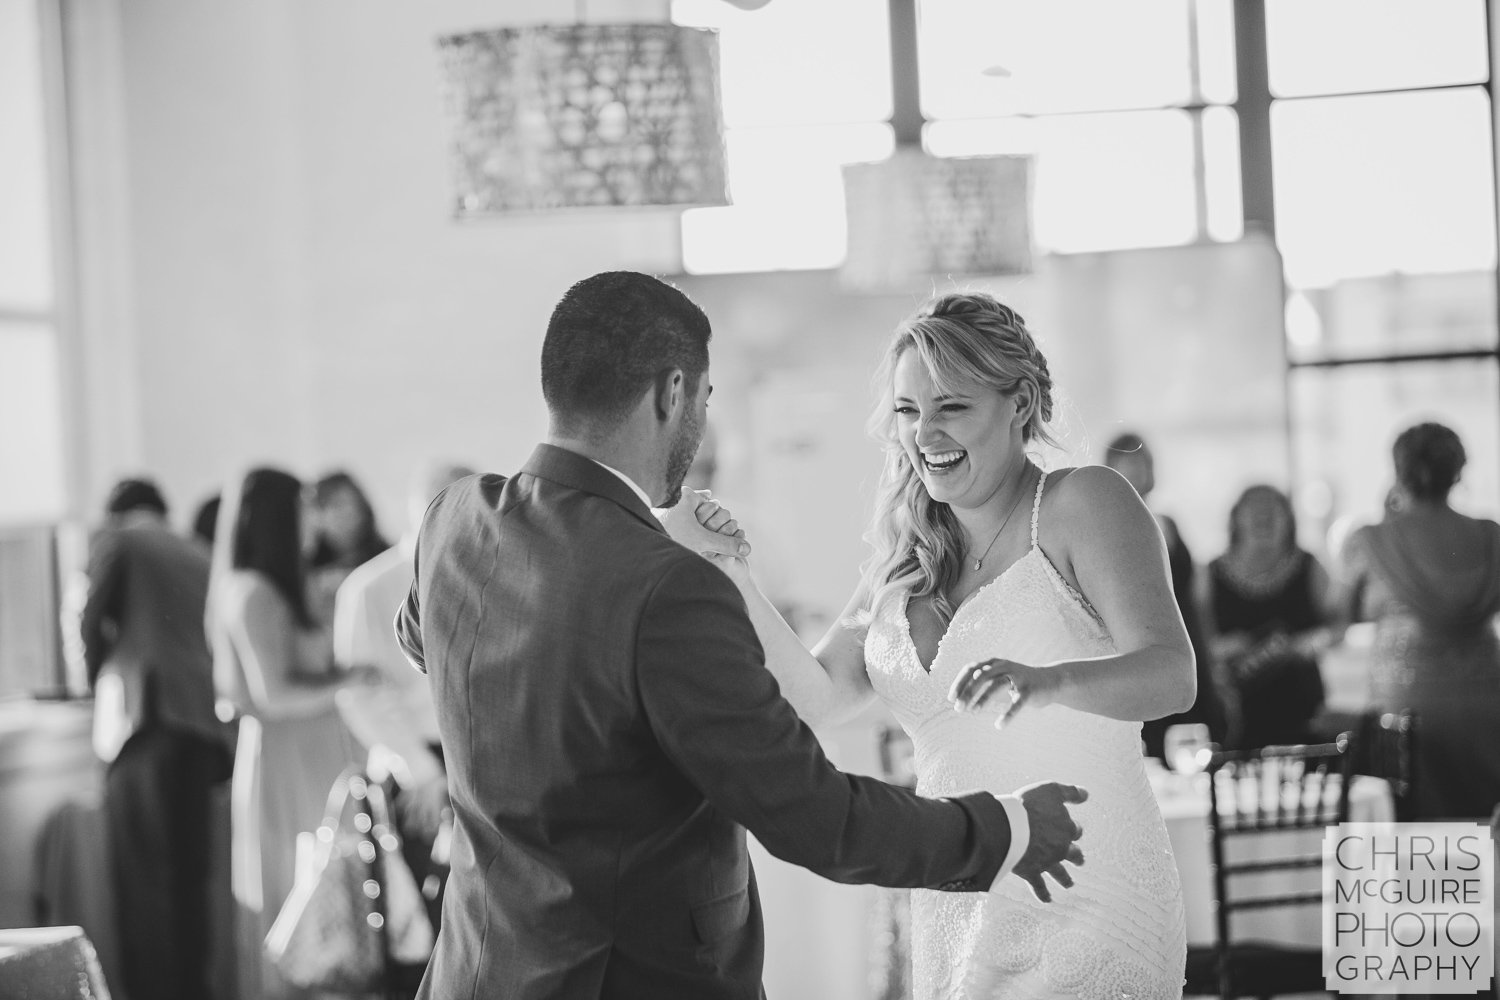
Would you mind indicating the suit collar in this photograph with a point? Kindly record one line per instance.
(568, 468)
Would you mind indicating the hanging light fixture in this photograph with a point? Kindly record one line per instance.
(914, 215)
(584, 115)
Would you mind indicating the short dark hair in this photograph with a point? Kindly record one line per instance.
(135, 494)
(1126, 443)
(1429, 458)
(609, 337)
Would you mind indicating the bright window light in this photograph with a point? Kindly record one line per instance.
(793, 63)
(1056, 55)
(788, 191)
(1340, 46)
(1216, 66)
(1103, 182)
(31, 463)
(1383, 183)
(25, 243)
(1221, 174)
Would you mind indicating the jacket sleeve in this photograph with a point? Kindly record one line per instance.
(408, 623)
(718, 714)
(101, 610)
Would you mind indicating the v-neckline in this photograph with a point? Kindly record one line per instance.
(979, 591)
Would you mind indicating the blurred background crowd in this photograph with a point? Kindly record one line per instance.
(1258, 245)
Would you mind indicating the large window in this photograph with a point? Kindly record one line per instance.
(806, 89)
(1125, 106)
(31, 472)
(1385, 215)
(31, 444)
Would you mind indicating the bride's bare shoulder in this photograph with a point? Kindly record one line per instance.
(1086, 491)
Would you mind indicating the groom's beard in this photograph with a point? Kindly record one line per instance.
(680, 460)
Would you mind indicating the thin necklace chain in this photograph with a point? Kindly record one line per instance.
(979, 563)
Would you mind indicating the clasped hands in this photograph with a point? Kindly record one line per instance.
(701, 523)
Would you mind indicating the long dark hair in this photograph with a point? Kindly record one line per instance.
(266, 535)
(370, 542)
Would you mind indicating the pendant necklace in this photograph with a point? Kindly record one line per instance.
(979, 562)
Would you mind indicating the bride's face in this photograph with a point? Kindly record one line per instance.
(961, 443)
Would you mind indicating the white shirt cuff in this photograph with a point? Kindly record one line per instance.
(1020, 835)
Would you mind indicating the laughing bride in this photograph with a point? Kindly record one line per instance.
(1020, 625)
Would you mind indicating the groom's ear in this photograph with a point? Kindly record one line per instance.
(669, 391)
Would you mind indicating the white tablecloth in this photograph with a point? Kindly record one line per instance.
(1184, 806)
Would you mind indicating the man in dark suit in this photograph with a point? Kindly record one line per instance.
(606, 718)
(154, 724)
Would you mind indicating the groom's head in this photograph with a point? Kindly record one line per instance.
(623, 347)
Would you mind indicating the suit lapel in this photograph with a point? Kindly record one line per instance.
(576, 472)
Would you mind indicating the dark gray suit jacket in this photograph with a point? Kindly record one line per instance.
(143, 622)
(610, 730)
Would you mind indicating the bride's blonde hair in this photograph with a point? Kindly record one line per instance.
(963, 340)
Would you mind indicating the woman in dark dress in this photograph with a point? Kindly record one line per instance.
(1429, 577)
(1268, 601)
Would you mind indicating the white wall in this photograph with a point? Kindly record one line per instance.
(269, 205)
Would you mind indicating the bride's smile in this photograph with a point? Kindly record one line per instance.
(962, 441)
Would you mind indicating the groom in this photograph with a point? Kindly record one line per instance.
(607, 723)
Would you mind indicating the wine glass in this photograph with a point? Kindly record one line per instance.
(1187, 747)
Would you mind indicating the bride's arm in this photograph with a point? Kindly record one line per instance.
(1110, 544)
(826, 684)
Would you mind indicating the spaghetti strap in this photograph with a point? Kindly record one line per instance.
(1036, 505)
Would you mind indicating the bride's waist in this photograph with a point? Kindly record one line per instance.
(965, 753)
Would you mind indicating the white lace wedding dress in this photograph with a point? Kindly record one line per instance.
(1118, 934)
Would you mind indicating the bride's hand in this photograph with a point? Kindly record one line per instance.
(701, 523)
(1030, 687)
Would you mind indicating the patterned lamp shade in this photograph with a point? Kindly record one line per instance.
(914, 216)
(584, 115)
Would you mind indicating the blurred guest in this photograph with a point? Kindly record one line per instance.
(274, 666)
(1269, 606)
(206, 520)
(1395, 501)
(1128, 455)
(396, 718)
(1429, 577)
(154, 724)
(370, 596)
(345, 536)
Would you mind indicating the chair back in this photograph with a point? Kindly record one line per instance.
(1383, 746)
(1261, 794)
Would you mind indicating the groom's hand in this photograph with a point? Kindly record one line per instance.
(1054, 836)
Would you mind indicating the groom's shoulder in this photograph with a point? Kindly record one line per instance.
(672, 575)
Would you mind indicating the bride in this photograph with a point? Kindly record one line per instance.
(1020, 625)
